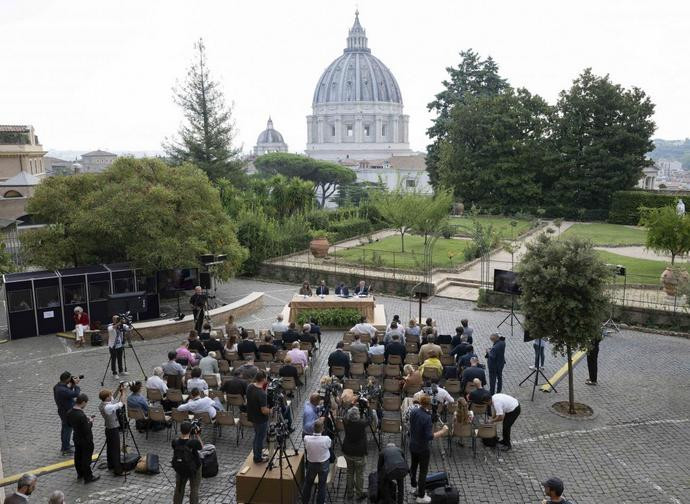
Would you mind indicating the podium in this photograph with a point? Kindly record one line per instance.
(269, 491)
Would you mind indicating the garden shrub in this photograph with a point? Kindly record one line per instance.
(331, 317)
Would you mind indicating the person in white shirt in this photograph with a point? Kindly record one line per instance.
(196, 381)
(156, 381)
(199, 404)
(318, 451)
(278, 326)
(364, 328)
(506, 409)
(442, 395)
(108, 409)
(394, 328)
(375, 348)
(298, 356)
(116, 344)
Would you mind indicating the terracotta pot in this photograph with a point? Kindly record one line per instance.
(672, 279)
(319, 247)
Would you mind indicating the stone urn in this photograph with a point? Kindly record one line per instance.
(458, 209)
(319, 247)
(673, 279)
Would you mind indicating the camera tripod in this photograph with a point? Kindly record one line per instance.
(536, 372)
(127, 343)
(511, 316)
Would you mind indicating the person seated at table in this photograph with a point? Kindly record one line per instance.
(342, 290)
(340, 358)
(322, 289)
(247, 346)
(267, 346)
(432, 361)
(298, 356)
(375, 348)
(305, 290)
(290, 336)
(195, 345)
(413, 378)
(306, 336)
(279, 326)
(394, 329)
(290, 371)
(364, 327)
(473, 372)
(315, 329)
(183, 354)
(361, 289)
(395, 347)
(196, 381)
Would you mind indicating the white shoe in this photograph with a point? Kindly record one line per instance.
(531, 367)
(423, 500)
(116, 376)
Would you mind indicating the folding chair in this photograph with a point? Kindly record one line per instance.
(178, 417)
(212, 380)
(154, 395)
(430, 373)
(412, 358)
(410, 347)
(234, 400)
(137, 414)
(375, 370)
(392, 370)
(447, 360)
(486, 431)
(224, 367)
(453, 388)
(226, 418)
(391, 426)
(392, 403)
(360, 357)
(378, 359)
(391, 385)
(338, 371)
(357, 369)
(459, 432)
(156, 414)
(394, 359)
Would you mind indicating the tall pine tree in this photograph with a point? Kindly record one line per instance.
(205, 138)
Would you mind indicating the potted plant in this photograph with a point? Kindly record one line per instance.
(319, 244)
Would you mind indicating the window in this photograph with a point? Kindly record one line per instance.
(410, 183)
(99, 290)
(383, 130)
(349, 130)
(366, 130)
(12, 194)
(73, 294)
(47, 297)
(20, 300)
(332, 130)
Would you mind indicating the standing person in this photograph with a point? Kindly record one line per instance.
(392, 467)
(116, 345)
(187, 463)
(318, 453)
(83, 439)
(593, 360)
(421, 435)
(467, 331)
(198, 303)
(539, 346)
(108, 409)
(25, 487)
(496, 360)
(506, 409)
(81, 324)
(355, 451)
(553, 490)
(257, 414)
(65, 392)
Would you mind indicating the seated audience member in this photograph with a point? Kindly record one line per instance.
(231, 328)
(479, 395)
(172, 367)
(205, 333)
(460, 350)
(322, 289)
(443, 339)
(462, 413)
(310, 413)
(290, 336)
(363, 327)
(209, 365)
(247, 346)
(135, 399)
(196, 381)
(288, 370)
(248, 370)
(467, 331)
(213, 345)
(298, 356)
(432, 362)
(412, 328)
(339, 358)
(395, 347)
(235, 384)
(375, 348)
(357, 346)
(429, 328)
(305, 290)
(464, 361)
(195, 345)
(394, 329)
(474, 371)
(413, 378)
(457, 337)
(306, 336)
(315, 329)
(230, 344)
(183, 353)
(442, 395)
(267, 346)
(361, 289)
(278, 326)
(156, 382)
(428, 348)
(198, 403)
(342, 290)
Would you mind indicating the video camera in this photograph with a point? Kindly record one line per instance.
(432, 391)
(196, 427)
(274, 393)
(72, 378)
(330, 388)
(125, 318)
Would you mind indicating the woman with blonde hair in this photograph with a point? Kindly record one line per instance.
(413, 379)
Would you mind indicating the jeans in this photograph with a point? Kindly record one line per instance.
(181, 483)
(355, 475)
(508, 421)
(592, 364)
(314, 468)
(421, 460)
(65, 435)
(495, 379)
(116, 354)
(260, 430)
(538, 354)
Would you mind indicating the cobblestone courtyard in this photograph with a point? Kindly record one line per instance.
(636, 449)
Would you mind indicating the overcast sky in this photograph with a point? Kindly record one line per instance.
(93, 75)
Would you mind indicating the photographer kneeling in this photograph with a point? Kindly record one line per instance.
(187, 463)
(109, 409)
(355, 422)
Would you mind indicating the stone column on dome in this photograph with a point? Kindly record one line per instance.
(396, 129)
(338, 129)
(377, 133)
(406, 129)
(310, 129)
(319, 131)
(358, 129)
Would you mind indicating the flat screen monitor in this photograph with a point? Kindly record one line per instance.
(171, 281)
(506, 281)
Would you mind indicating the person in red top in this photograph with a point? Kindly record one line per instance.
(81, 324)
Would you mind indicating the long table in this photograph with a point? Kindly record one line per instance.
(365, 305)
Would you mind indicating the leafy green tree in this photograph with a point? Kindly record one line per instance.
(141, 211)
(357, 193)
(667, 232)
(602, 134)
(563, 297)
(205, 139)
(7, 264)
(495, 150)
(432, 215)
(325, 175)
(399, 209)
(471, 79)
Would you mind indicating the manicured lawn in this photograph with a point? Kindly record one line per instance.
(607, 234)
(387, 253)
(639, 271)
(501, 225)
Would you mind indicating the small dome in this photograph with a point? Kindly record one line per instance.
(269, 135)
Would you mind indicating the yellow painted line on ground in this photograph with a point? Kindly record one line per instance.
(563, 372)
(66, 464)
(66, 335)
(4, 341)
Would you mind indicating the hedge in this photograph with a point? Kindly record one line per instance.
(331, 317)
(625, 205)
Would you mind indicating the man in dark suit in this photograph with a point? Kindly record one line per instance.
(362, 289)
(472, 372)
(341, 290)
(247, 346)
(290, 336)
(322, 289)
(25, 487)
(83, 439)
(496, 360)
(339, 358)
(395, 348)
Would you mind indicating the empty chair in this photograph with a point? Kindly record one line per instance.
(274, 368)
(178, 417)
(360, 357)
(392, 426)
(224, 367)
(235, 400)
(365, 338)
(289, 385)
(453, 387)
(156, 414)
(375, 370)
(231, 356)
(447, 360)
(459, 432)
(265, 357)
(338, 371)
(393, 370)
(378, 359)
(410, 347)
(412, 358)
(430, 373)
(445, 349)
(175, 395)
(391, 385)
(357, 369)
(226, 418)
(299, 367)
(154, 395)
(352, 383)
(392, 403)
(212, 380)
(486, 431)
(174, 381)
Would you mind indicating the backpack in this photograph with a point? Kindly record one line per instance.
(185, 461)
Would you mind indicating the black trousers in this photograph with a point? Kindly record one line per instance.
(592, 364)
(112, 444)
(82, 459)
(495, 379)
(388, 488)
(198, 319)
(421, 460)
(508, 421)
(116, 355)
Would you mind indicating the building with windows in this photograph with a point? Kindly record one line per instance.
(96, 161)
(270, 140)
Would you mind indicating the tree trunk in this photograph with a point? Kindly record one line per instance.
(571, 386)
(402, 241)
(673, 258)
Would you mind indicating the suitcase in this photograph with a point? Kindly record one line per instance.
(445, 495)
(373, 489)
(209, 461)
(96, 339)
(152, 466)
(436, 480)
(128, 461)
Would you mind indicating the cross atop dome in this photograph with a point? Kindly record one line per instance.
(357, 37)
